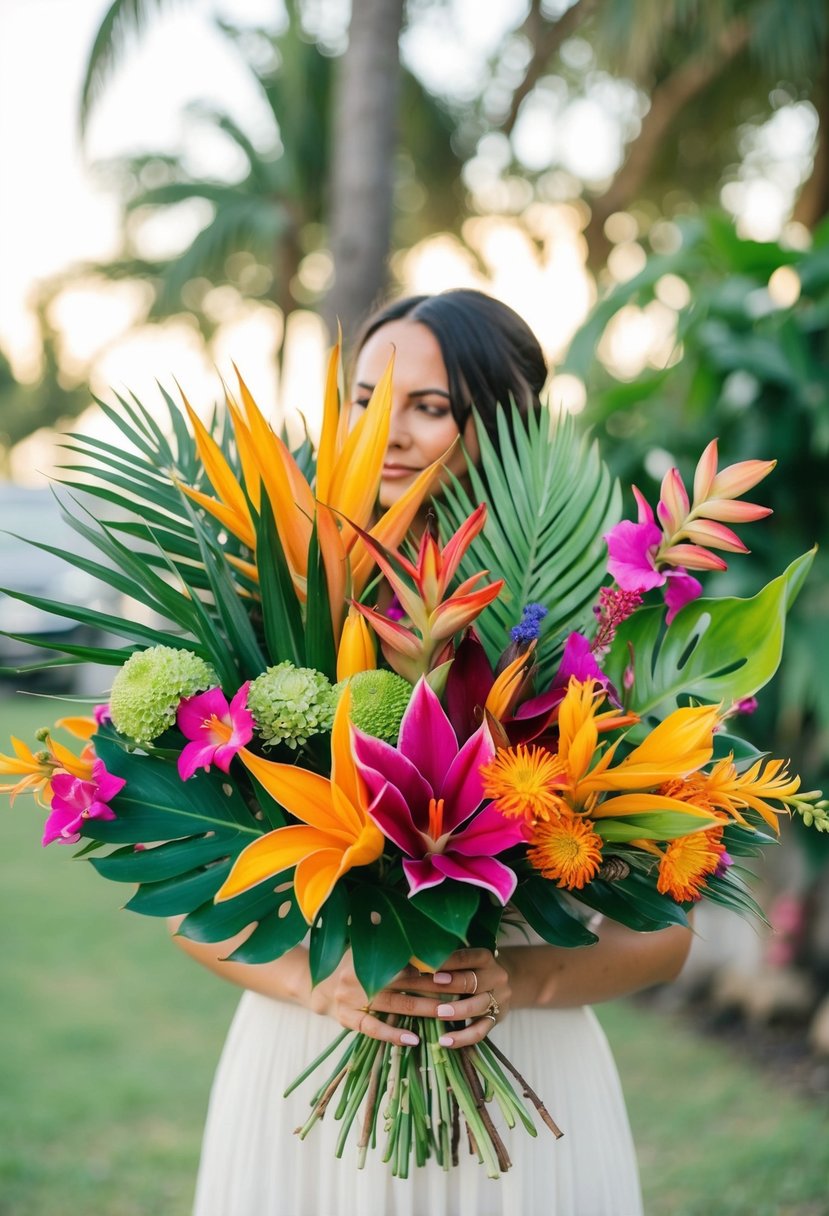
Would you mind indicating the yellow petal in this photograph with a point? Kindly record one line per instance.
(501, 696)
(307, 796)
(356, 478)
(327, 451)
(268, 856)
(245, 447)
(314, 880)
(240, 525)
(76, 765)
(679, 745)
(344, 772)
(356, 651)
(221, 476)
(650, 804)
(81, 728)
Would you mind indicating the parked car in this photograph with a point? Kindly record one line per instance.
(33, 514)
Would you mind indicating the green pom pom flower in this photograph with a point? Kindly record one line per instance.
(378, 702)
(290, 704)
(147, 690)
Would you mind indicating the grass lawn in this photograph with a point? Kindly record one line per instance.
(109, 1038)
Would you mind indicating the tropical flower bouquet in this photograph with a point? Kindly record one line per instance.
(329, 735)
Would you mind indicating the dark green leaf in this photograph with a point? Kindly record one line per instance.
(539, 903)
(329, 935)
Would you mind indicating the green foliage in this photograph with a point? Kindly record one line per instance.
(548, 507)
(752, 368)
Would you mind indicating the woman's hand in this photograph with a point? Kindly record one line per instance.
(471, 986)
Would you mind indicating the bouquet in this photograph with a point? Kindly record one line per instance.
(320, 731)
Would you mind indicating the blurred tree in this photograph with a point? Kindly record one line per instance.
(749, 364)
(334, 163)
(703, 70)
(25, 407)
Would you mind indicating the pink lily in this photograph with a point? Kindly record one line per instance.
(217, 730)
(426, 797)
(74, 800)
(421, 592)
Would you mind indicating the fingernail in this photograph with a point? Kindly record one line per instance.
(446, 1011)
(442, 977)
(409, 1039)
(446, 1040)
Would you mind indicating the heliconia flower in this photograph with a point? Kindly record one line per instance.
(217, 730)
(422, 590)
(724, 789)
(75, 800)
(335, 833)
(730, 482)
(426, 797)
(356, 649)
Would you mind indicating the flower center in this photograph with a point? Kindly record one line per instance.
(436, 818)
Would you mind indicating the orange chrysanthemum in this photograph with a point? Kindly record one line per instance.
(686, 863)
(522, 782)
(566, 850)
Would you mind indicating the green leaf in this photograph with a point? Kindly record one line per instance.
(450, 904)
(180, 894)
(212, 922)
(379, 942)
(163, 861)
(275, 934)
(320, 651)
(329, 935)
(281, 611)
(429, 942)
(717, 651)
(539, 902)
(650, 825)
(633, 901)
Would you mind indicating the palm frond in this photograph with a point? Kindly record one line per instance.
(549, 504)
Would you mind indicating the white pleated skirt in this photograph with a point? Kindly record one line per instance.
(253, 1165)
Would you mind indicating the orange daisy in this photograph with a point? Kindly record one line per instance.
(521, 780)
(566, 850)
(686, 863)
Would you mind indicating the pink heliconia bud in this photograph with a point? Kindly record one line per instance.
(673, 505)
(645, 510)
(736, 479)
(692, 556)
(705, 473)
(730, 511)
(706, 532)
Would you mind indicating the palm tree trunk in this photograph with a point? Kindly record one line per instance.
(362, 177)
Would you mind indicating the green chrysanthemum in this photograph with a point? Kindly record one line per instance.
(290, 704)
(378, 702)
(147, 690)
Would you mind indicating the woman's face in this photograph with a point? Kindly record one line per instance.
(422, 426)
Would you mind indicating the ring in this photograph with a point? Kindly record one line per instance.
(493, 1008)
(475, 989)
(491, 1017)
(366, 1009)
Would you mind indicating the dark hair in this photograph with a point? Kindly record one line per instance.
(492, 357)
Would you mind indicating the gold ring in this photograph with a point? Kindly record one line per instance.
(493, 1008)
(475, 989)
(366, 1009)
(491, 1017)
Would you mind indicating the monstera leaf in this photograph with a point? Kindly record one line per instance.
(715, 650)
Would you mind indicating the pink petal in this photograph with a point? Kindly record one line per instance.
(487, 834)
(100, 810)
(693, 556)
(484, 872)
(240, 717)
(379, 762)
(644, 508)
(467, 686)
(578, 660)
(706, 532)
(457, 545)
(193, 712)
(426, 736)
(737, 478)
(422, 874)
(108, 784)
(462, 788)
(392, 814)
(631, 548)
(459, 611)
(729, 511)
(195, 755)
(705, 473)
(680, 589)
(673, 504)
(62, 824)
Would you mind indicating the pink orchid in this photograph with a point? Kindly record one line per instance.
(426, 797)
(75, 800)
(217, 730)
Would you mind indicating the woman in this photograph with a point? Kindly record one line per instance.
(450, 350)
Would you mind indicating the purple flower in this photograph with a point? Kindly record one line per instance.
(632, 561)
(578, 660)
(426, 798)
(217, 730)
(75, 800)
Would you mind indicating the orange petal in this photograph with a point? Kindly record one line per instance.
(356, 651)
(307, 796)
(222, 477)
(314, 880)
(356, 477)
(268, 856)
(327, 451)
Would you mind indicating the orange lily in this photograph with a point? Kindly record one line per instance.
(335, 834)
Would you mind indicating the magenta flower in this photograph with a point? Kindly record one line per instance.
(217, 730)
(633, 552)
(426, 798)
(75, 800)
(101, 714)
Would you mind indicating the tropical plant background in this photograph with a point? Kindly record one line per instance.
(648, 183)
